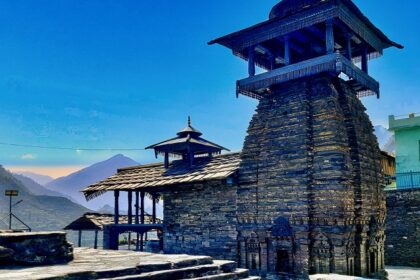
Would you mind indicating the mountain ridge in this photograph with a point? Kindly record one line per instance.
(40, 212)
(72, 184)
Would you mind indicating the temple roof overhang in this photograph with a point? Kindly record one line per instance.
(97, 221)
(259, 85)
(180, 144)
(157, 178)
(306, 23)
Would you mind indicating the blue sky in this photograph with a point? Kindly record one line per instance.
(102, 73)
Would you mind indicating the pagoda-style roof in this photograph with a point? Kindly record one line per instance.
(97, 221)
(158, 178)
(293, 15)
(303, 38)
(187, 141)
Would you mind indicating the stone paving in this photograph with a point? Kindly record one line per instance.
(101, 264)
(394, 273)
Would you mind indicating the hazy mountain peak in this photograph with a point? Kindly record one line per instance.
(72, 184)
(38, 178)
(385, 139)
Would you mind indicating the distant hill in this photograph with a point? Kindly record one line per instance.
(72, 184)
(38, 178)
(106, 209)
(40, 212)
(34, 187)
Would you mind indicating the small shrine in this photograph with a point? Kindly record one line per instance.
(186, 145)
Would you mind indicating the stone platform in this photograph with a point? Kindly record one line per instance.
(124, 265)
(34, 248)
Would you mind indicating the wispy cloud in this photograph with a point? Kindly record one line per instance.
(28, 156)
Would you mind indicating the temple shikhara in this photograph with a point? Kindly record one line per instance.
(305, 195)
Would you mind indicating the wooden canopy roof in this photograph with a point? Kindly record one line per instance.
(96, 221)
(155, 177)
(306, 18)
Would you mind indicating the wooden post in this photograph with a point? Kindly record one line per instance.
(365, 60)
(329, 37)
(130, 208)
(141, 243)
(251, 61)
(286, 50)
(272, 64)
(349, 48)
(116, 207)
(142, 207)
(166, 160)
(136, 219)
(95, 245)
(154, 209)
(80, 238)
(142, 194)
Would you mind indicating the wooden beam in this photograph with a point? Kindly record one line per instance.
(329, 37)
(116, 207)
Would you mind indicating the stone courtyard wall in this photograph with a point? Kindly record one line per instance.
(403, 228)
(200, 219)
(35, 248)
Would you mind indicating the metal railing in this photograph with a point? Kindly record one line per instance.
(408, 180)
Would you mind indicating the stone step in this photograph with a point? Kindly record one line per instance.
(174, 274)
(239, 273)
(226, 266)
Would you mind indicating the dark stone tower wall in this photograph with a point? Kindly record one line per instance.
(369, 197)
(310, 196)
(275, 179)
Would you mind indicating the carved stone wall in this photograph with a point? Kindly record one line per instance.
(200, 219)
(311, 158)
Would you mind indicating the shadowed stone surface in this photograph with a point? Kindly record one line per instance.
(101, 264)
(403, 228)
(35, 248)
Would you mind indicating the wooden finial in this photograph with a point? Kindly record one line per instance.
(189, 121)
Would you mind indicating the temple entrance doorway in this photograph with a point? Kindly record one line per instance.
(283, 262)
(372, 262)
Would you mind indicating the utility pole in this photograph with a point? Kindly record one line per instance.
(10, 194)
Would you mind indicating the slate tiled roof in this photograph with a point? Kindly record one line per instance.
(155, 175)
(96, 221)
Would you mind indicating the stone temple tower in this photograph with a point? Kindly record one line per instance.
(310, 196)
